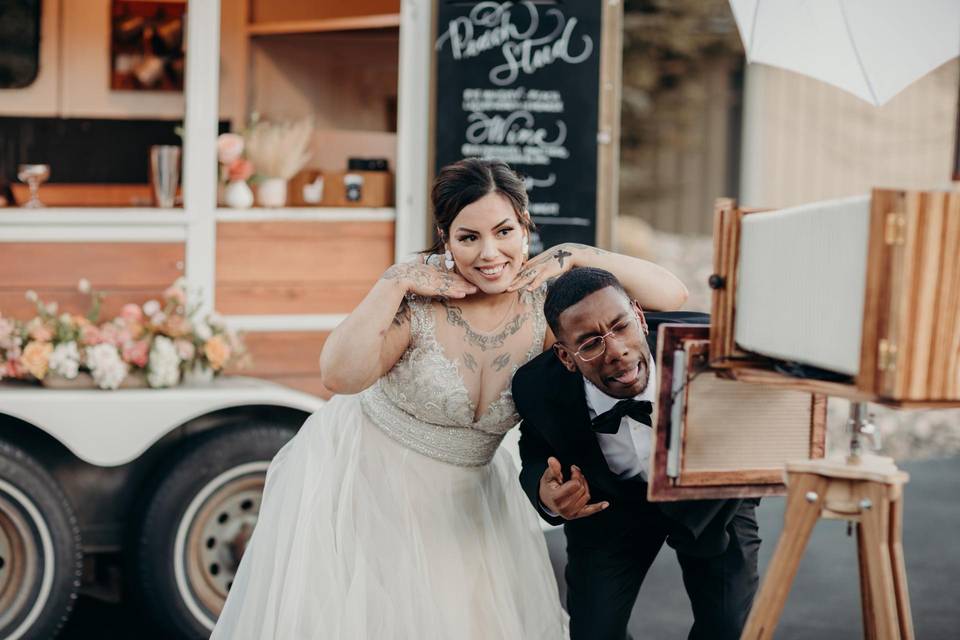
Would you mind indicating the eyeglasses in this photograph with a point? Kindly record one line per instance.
(595, 347)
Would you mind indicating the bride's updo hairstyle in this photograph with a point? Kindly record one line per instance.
(466, 181)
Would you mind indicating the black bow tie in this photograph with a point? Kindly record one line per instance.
(609, 421)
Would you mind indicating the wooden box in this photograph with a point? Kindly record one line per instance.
(716, 437)
(910, 325)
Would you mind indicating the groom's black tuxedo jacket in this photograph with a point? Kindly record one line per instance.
(552, 404)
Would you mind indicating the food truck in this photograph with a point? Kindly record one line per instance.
(110, 134)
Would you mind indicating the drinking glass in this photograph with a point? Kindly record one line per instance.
(33, 175)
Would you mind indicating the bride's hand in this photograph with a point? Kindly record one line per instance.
(429, 281)
(547, 265)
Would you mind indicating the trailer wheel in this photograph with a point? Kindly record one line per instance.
(40, 557)
(197, 522)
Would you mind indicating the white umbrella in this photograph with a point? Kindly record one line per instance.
(871, 48)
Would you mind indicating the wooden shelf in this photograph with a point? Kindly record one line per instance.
(358, 23)
(318, 214)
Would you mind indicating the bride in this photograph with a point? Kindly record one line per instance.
(392, 513)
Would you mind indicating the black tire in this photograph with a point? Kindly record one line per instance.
(198, 515)
(39, 549)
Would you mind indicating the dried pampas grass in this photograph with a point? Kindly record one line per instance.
(279, 149)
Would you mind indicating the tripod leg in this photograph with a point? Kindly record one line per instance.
(869, 620)
(899, 569)
(798, 521)
(874, 529)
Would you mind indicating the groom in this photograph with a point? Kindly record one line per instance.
(585, 447)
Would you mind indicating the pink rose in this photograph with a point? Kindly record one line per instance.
(229, 147)
(136, 352)
(240, 169)
(15, 369)
(131, 313)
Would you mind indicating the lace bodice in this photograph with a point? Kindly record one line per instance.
(424, 402)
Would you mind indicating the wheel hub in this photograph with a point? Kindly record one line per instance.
(19, 561)
(218, 537)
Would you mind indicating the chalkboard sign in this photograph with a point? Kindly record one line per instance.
(519, 82)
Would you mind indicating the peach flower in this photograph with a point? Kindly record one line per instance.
(90, 335)
(217, 352)
(36, 358)
(39, 331)
(240, 169)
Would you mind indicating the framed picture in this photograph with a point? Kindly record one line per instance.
(146, 45)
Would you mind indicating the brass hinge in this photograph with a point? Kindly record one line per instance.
(895, 231)
(886, 355)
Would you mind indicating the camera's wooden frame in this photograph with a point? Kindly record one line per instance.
(910, 351)
(701, 484)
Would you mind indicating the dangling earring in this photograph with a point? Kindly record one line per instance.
(448, 260)
(526, 248)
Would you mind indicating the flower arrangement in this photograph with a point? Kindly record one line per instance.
(235, 171)
(159, 343)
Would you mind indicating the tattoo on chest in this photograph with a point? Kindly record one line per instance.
(501, 361)
(469, 362)
(484, 342)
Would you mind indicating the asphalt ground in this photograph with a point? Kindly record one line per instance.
(824, 602)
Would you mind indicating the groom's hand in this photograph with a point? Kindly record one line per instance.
(569, 499)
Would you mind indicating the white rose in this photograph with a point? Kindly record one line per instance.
(150, 307)
(83, 286)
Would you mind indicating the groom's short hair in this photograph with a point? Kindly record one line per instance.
(572, 287)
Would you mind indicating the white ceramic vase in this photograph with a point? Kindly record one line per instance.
(238, 195)
(272, 192)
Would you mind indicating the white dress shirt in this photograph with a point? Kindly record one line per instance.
(627, 451)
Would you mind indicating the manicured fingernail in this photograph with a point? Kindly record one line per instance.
(604, 505)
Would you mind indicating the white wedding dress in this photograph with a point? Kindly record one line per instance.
(394, 514)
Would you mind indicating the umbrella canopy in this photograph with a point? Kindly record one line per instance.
(871, 48)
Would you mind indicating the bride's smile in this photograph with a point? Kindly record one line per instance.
(487, 243)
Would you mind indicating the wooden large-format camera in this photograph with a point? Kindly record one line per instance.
(856, 298)
(866, 288)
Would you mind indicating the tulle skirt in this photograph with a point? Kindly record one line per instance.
(361, 537)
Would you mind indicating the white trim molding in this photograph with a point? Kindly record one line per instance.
(290, 322)
(88, 233)
(202, 90)
(318, 214)
(413, 126)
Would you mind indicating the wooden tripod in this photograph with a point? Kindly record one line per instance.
(867, 491)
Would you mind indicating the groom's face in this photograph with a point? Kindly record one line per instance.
(623, 369)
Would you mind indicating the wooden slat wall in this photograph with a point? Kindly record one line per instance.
(806, 141)
(126, 271)
(299, 267)
(671, 182)
(291, 358)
